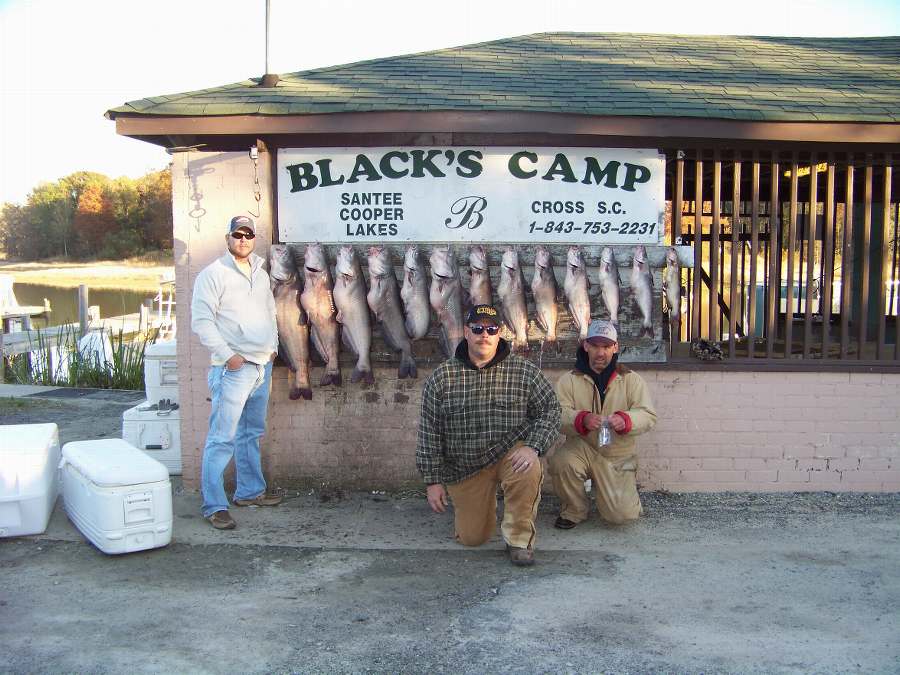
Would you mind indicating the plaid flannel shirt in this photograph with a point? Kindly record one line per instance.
(472, 417)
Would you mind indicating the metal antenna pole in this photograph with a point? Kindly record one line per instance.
(268, 8)
(268, 79)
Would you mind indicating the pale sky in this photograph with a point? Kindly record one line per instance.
(63, 63)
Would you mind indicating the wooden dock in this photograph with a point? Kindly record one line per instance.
(23, 342)
(20, 314)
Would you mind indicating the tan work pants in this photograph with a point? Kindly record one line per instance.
(613, 482)
(475, 504)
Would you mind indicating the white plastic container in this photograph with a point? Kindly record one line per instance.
(161, 371)
(29, 455)
(155, 432)
(120, 499)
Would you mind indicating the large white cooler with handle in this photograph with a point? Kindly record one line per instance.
(118, 497)
(29, 455)
(161, 371)
(155, 432)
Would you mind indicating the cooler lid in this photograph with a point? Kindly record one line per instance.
(28, 442)
(112, 462)
(161, 350)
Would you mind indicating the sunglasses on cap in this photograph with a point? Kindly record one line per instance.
(242, 235)
(478, 329)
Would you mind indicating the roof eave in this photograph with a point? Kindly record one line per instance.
(147, 127)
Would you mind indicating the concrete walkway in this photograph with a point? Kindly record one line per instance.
(370, 582)
(374, 583)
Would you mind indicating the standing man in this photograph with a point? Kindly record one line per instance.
(233, 314)
(600, 392)
(487, 417)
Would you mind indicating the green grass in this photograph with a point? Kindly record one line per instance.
(10, 405)
(124, 370)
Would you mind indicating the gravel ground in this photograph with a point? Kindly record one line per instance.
(338, 581)
(96, 414)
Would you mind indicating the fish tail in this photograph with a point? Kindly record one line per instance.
(330, 378)
(407, 367)
(300, 392)
(362, 375)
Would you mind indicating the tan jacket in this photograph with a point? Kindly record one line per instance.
(626, 393)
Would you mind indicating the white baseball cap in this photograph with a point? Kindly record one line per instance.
(602, 332)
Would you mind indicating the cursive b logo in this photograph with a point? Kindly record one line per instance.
(470, 211)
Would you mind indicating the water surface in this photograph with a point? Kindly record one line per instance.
(64, 301)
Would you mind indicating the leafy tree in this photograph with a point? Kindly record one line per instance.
(155, 190)
(94, 218)
(13, 228)
(87, 214)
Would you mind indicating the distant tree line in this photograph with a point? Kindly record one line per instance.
(89, 216)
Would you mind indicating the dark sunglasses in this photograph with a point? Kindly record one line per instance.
(478, 329)
(242, 235)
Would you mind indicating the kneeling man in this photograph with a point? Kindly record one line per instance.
(487, 417)
(600, 392)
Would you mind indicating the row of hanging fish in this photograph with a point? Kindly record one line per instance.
(314, 307)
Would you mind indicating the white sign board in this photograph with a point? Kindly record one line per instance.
(515, 194)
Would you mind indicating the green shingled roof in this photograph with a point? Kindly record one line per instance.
(725, 77)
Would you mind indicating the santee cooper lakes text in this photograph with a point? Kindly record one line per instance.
(544, 192)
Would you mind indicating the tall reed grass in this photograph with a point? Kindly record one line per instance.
(58, 360)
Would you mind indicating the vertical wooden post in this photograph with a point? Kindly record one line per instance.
(82, 309)
(774, 259)
(886, 272)
(698, 248)
(714, 262)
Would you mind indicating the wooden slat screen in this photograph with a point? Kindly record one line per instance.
(790, 266)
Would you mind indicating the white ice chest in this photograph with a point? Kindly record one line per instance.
(158, 435)
(29, 455)
(161, 371)
(118, 497)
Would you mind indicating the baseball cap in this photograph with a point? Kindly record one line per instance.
(241, 221)
(483, 313)
(602, 332)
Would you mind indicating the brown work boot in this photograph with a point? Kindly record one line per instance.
(221, 520)
(260, 500)
(564, 524)
(520, 557)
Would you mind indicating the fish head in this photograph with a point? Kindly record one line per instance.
(542, 257)
(510, 258)
(477, 257)
(442, 263)
(346, 261)
(314, 259)
(574, 257)
(379, 261)
(281, 262)
(672, 257)
(640, 255)
(411, 258)
(606, 255)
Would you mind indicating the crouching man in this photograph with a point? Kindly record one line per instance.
(600, 392)
(487, 417)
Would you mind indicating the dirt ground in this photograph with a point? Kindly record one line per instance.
(371, 582)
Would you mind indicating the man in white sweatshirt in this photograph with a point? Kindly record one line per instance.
(233, 314)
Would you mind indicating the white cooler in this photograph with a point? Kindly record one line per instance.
(161, 371)
(155, 432)
(120, 499)
(29, 455)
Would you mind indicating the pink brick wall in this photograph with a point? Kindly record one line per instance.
(766, 432)
(717, 431)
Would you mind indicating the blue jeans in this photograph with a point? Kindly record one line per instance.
(238, 420)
